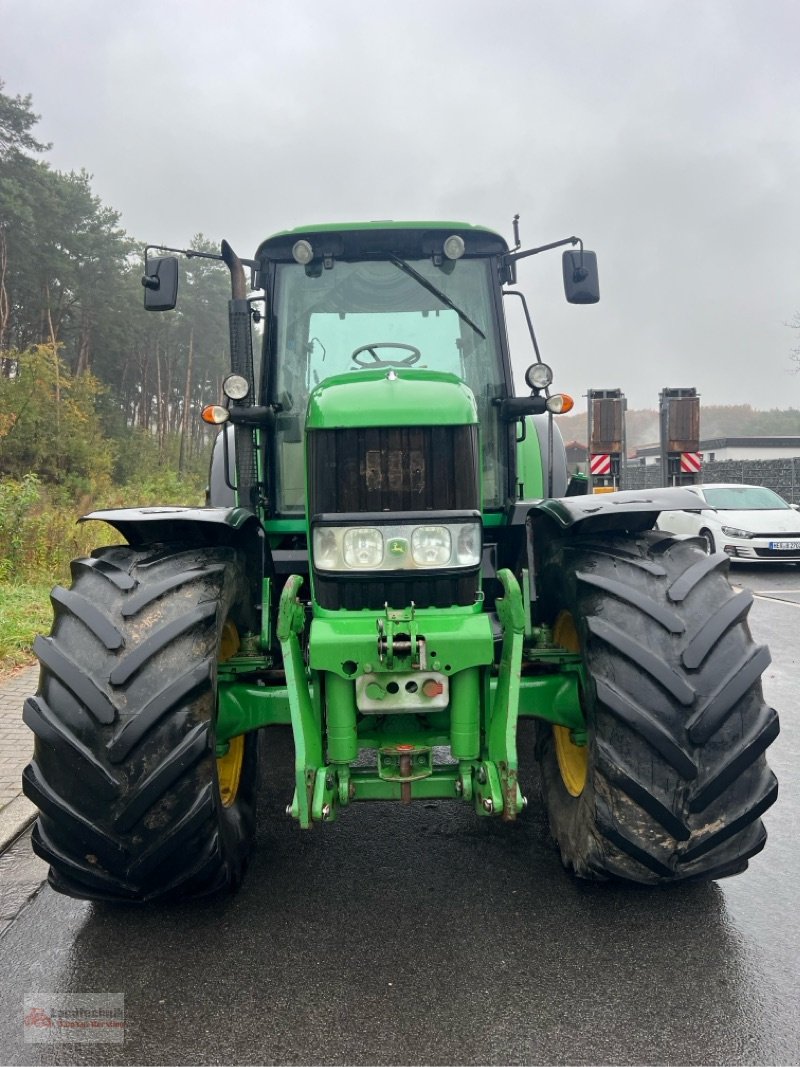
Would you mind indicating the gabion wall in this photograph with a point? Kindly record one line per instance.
(782, 475)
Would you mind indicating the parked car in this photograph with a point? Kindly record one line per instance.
(749, 522)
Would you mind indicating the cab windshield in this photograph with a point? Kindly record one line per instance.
(323, 317)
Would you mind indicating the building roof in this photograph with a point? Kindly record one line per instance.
(709, 443)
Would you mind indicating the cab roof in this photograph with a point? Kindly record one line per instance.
(351, 240)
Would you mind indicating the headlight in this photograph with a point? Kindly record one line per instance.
(235, 387)
(397, 547)
(538, 376)
(732, 531)
(431, 546)
(363, 548)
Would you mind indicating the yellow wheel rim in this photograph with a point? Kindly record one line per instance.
(229, 770)
(573, 760)
(229, 766)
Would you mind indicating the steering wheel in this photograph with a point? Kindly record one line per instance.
(376, 360)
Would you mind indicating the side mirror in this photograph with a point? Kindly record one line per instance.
(160, 283)
(581, 283)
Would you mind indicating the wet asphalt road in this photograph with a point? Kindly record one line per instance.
(425, 935)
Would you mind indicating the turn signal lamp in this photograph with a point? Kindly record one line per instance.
(214, 414)
(560, 404)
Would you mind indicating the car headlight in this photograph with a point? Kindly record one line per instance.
(396, 547)
(732, 531)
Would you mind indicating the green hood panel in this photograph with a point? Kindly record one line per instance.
(391, 398)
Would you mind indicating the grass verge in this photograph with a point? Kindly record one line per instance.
(25, 611)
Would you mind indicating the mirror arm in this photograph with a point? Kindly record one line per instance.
(190, 253)
(512, 257)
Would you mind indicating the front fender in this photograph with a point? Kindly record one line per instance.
(235, 527)
(631, 510)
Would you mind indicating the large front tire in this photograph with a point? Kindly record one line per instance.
(672, 780)
(133, 803)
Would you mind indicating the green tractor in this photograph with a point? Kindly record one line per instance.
(390, 564)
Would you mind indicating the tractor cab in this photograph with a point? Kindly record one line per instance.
(382, 297)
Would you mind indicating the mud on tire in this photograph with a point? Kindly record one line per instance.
(124, 770)
(676, 777)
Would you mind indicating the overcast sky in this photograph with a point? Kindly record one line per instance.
(665, 134)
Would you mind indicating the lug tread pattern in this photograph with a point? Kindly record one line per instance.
(89, 614)
(178, 837)
(650, 662)
(602, 550)
(685, 582)
(678, 778)
(643, 794)
(708, 719)
(757, 739)
(712, 629)
(49, 728)
(57, 809)
(663, 615)
(70, 674)
(169, 698)
(648, 724)
(158, 641)
(99, 565)
(104, 885)
(155, 785)
(611, 830)
(154, 591)
(123, 766)
(738, 820)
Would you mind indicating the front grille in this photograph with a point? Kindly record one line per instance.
(394, 469)
(409, 468)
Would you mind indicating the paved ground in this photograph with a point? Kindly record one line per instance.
(16, 740)
(422, 936)
(16, 748)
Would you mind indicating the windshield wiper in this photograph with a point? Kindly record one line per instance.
(423, 281)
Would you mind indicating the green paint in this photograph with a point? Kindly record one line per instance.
(502, 731)
(531, 473)
(244, 707)
(341, 719)
(465, 714)
(306, 723)
(441, 783)
(346, 643)
(390, 397)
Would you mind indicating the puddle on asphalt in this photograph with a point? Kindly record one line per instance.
(22, 874)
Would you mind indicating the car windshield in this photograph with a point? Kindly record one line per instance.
(389, 310)
(744, 498)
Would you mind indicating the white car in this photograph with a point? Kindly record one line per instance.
(748, 522)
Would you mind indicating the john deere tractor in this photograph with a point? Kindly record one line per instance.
(389, 563)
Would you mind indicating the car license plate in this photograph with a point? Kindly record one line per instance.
(785, 546)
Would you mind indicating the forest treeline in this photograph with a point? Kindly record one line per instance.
(93, 390)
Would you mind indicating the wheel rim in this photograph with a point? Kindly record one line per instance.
(573, 760)
(229, 766)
